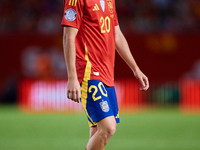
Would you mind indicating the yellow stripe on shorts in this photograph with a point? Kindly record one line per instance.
(84, 85)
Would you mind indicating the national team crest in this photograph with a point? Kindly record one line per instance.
(102, 2)
(110, 5)
(104, 106)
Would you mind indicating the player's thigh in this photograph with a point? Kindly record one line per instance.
(107, 124)
(93, 130)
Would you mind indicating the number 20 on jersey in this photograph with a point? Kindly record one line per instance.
(105, 24)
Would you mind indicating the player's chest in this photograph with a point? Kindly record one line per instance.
(100, 7)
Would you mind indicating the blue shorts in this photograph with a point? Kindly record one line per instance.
(99, 101)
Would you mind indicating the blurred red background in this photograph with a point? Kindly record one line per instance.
(163, 37)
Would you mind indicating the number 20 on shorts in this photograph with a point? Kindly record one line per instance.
(100, 85)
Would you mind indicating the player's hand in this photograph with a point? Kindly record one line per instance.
(73, 90)
(142, 79)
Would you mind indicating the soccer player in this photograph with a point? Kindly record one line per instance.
(91, 34)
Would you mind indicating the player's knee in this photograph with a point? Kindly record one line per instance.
(109, 131)
(107, 127)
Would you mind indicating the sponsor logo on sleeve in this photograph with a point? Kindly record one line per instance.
(70, 14)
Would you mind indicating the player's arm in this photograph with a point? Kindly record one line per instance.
(73, 86)
(124, 51)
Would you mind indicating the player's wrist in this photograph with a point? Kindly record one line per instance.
(72, 77)
(135, 69)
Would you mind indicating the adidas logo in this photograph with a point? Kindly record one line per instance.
(95, 7)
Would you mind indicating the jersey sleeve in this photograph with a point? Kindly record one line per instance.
(116, 23)
(73, 12)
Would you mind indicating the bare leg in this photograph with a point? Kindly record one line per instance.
(105, 130)
(93, 130)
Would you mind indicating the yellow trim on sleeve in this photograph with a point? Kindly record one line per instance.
(72, 2)
(75, 2)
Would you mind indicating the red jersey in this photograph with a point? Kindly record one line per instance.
(95, 40)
